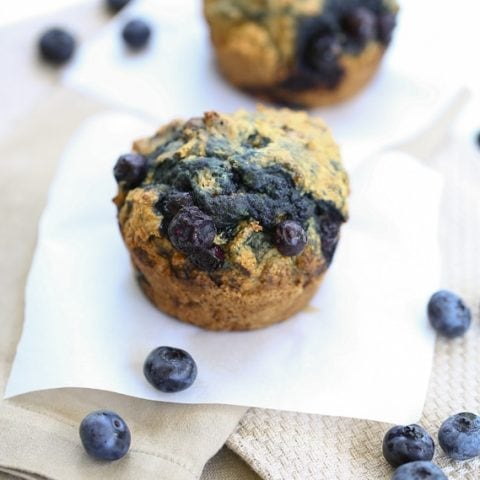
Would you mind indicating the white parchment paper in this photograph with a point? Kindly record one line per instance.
(363, 348)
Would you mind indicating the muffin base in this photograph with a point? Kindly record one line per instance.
(222, 307)
(359, 70)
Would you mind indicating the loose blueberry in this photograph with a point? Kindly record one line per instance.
(407, 444)
(459, 436)
(209, 259)
(130, 170)
(386, 23)
(360, 26)
(448, 314)
(420, 470)
(290, 238)
(136, 34)
(477, 138)
(105, 435)
(56, 46)
(116, 5)
(170, 369)
(191, 230)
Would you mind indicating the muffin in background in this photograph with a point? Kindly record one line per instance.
(231, 221)
(301, 52)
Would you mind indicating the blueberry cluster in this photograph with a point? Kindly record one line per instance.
(344, 26)
(411, 448)
(57, 46)
(193, 215)
(105, 435)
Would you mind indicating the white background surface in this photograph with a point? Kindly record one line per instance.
(20, 10)
(176, 75)
(365, 350)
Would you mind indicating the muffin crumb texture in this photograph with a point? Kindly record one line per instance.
(232, 220)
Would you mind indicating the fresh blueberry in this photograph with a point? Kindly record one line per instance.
(477, 138)
(174, 202)
(191, 230)
(386, 23)
(448, 314)
(116, 5)
(459, 436)
(290, 238)
(208, 259)
(420, 470)
(136, 34)
(359, 25)
(407, 444)
(56, 46)
(105, 435)
(170, 369)
(130, 170)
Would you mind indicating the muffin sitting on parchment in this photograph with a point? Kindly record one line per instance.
(231, 221)
(301, 52)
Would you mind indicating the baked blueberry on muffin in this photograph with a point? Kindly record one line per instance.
(231, 221)
(302, 52)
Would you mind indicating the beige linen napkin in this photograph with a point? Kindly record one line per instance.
(291, 446)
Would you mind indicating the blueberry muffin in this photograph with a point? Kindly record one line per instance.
(301, 52)
(231, 221)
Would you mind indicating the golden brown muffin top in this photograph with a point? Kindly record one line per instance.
(242, 175)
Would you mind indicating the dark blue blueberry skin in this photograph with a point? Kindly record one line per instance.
(246, 191)
(459, 436)
(191, 230)
(174, 202)
(360, 25)
(116, 5)
(130, 170)
(170, 369)
(343, 26)
(407, 444)
(420, 470)
(105, 435)
(208, 259)
(136, 34)
(386, 24)
(56, 46)
(290, 238)
(448, 314)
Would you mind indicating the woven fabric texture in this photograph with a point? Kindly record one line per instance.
(292, 446)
